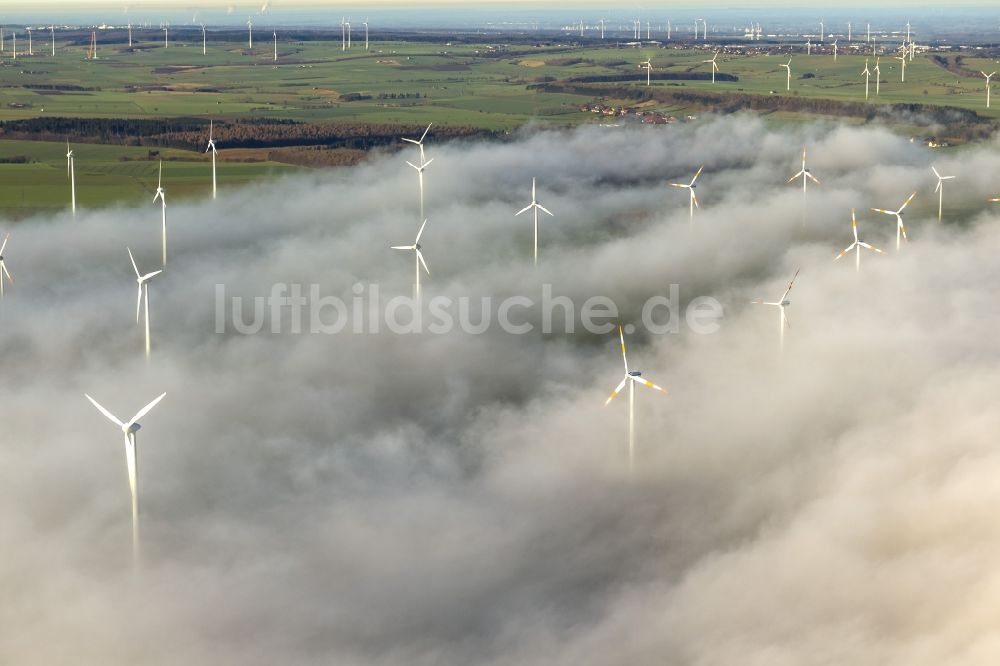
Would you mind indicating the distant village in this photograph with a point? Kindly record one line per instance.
(646, 116)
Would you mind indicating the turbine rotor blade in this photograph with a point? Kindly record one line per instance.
(420, 233)
(109, 415)
(650, 384)
(137, 273)
(618, 389)
(420, 256)
(145, 410)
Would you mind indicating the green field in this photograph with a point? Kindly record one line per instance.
(398, 83)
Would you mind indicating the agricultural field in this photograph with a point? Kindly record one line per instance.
(488, 87)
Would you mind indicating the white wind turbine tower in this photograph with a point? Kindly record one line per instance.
(835, 50)
(788, 68)
(878, 77)
(690, 188)
(250, 33)
(348, 33)
(211, 147)
(166, 37)
(535, 206)
(822, 35)
(419, 258)
(52, 29)
(13, 54)
(631, 378)
(940, 190)
(275, 46)
(71, 172)
(3, 266)
(988, 77)
(902, 59)
(781, 304)
(30, 51)
(130, 35)
(900, 229)
(669, 28)
(809, 47)
(366, 33)
(142, 297)
(848, 32)
(867, 73)
(804, 174)
(715, 65)
(648, 66)
(161, 195)
(343, 35)
(130, 429)
(602, 28)
(204, 41)
(857, 245)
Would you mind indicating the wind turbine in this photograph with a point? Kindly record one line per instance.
(3, 266)
(211, 147)
(878, 77)
(631, 378)
(902, 59)
(419, 257)
(142, 297)
(940, 189)
(204, 41)
(166, 37)
(867, 74)
(130, 429)
(690, 188)
(343, 35)
(602, 28)
(822, 36)
(52, 29)
(30, 51)
(788, 68)
(72, 178)
(348, 33)
(848, 32)
(275, 46)
(130, 35)
(534, 205)
(420, 175)
(809, 47)
(857, 245)
(161, 195)
(781, 304)
(420, 143)
(900, 229)
(366, 34)
(805, 174)
(648, 66)
(988, 77)
(835, 50)
(715, 65)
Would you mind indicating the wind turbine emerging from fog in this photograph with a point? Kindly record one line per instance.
(420, 175)
(211, 147)
(130, 428)
(804, 174)
(420, 143)
(781, 304)
(715, 65)
(631, 378)
(161, 195)
(535, 206)
(940, 190)
(142, 298)
(988, 77)
(900, 229)
(788, 68)
(857, 245)
(419, 259)
(3, 266)
(70, 171)
(690, 188)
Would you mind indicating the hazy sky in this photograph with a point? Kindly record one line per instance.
(463, 499)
